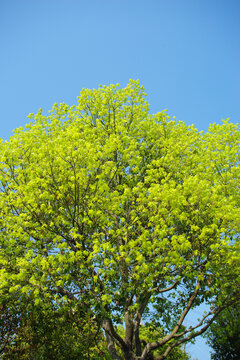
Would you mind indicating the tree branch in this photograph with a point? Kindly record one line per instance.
(154, 345)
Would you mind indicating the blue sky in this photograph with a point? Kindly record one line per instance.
(186, 53)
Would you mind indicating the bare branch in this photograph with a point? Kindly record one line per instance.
(111, 347)
(154, 345)
(108, 328)
(156, 289)
(216, 312)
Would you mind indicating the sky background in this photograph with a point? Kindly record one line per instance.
(186, 53)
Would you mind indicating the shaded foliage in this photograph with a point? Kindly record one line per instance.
(224, 335)
(52, 333)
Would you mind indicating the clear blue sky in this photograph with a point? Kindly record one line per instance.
(186, 53)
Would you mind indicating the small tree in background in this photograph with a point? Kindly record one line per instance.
(224, 335)
(116, 211)
(49, 332)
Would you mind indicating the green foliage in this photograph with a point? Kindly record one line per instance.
(116, 211)
(224, 335)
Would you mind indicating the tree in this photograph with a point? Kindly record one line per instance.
(44, 332)
(224, 335)
(129, 216)
(47, 330)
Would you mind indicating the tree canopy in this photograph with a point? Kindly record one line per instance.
(123, 216)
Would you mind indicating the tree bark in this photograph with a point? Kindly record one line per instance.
(111, 347)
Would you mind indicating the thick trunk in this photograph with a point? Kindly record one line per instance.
(128, 329)
(137, 343)
(131, 356)
(128, 354)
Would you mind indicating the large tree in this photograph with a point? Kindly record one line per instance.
(129, 216)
